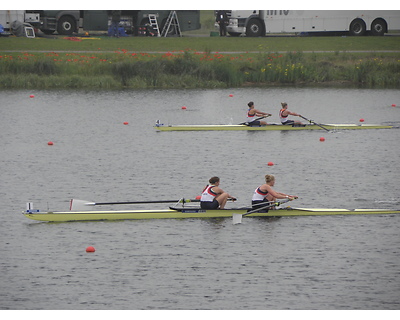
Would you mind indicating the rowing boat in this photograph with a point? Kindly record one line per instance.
(185, 213)
(269, 127)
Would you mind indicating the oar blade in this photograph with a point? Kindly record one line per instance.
(79, 205)
(237, 218)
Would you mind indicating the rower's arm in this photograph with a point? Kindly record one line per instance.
(293, 113)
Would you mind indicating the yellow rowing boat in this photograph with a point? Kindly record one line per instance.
(269, 127)
(190, 213)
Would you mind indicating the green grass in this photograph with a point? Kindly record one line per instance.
(202, 43)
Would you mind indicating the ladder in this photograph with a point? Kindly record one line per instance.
(172, 25)
(154, 23)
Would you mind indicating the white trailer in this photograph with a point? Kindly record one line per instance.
(256, 23)
(9, 16)
(17, 19)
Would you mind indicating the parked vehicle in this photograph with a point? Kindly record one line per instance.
(256, 23)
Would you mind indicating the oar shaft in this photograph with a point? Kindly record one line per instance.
(267, 206)
(76, 204)
(144, 202)
(317, 124)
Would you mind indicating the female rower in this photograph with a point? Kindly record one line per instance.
(284, 113)
(213, 197)
(264, 194)
(252, 113)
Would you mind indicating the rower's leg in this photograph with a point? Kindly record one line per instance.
(222, 199)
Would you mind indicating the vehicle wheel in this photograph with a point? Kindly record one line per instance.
(66, 25)
(378, 27)
(254, 28)
(357, 27)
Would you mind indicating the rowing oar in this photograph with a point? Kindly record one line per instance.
(78, 205)
(314, 123)
(248, 123)
(237, 217)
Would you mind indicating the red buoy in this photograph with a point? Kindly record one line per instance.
(270, 164)
(361, 120)
(198, 197)
(126, 123)
(231, 95)
(393, 105)
(322, 139)
(183, 108)
(50, 143)
(32, 96)
(90, 249)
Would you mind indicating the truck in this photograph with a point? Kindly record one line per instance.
(256, 23)
(67, 22)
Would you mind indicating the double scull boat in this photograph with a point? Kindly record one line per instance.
(192, 212)
(269, 127)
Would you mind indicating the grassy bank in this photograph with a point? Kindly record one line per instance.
(191, 69)
(193, 62)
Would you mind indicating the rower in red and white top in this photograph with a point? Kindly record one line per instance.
(264, 194)
(252, 113)
(213, 197)
(284, 113)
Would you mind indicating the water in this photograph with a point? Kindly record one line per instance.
(349, 262)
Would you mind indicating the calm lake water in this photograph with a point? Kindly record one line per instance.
(302, 263)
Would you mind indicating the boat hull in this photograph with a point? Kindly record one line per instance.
(191, 213)
(270, 127)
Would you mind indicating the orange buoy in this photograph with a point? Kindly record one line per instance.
(90, 249)
(50, 143)
(270, 164)
(361, 120)
(322, 139)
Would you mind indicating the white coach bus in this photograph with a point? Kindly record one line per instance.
(256, 23)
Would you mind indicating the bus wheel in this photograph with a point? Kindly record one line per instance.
(66, 25)
(254, 28)
(378, 27)
(357, 27)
